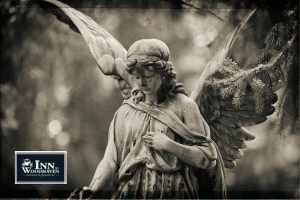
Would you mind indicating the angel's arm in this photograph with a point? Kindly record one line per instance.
(108, 167)
(105, 172)
(193, 155)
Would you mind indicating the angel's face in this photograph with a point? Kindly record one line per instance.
(147, 81)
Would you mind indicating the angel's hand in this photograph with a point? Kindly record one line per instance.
(156, 140)
(82, 193)
(87, 193)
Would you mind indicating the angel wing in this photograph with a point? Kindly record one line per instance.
(228, 109)
(109, 54)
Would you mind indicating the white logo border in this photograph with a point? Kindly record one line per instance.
(42, 153)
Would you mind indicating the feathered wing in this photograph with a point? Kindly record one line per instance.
(109, 54)
(226, 109)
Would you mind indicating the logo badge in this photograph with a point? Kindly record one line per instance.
(40, 167)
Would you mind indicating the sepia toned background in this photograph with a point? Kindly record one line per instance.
(55, 98)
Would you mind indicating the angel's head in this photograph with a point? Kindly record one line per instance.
(148, 62)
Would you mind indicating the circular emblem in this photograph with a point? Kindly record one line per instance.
(26, 163)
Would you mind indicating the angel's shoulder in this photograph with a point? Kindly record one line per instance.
(183, 100)
(181, 104)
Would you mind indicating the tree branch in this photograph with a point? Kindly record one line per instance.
(201, 9)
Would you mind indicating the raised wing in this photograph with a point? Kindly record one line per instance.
(228, 106)
(109, 54)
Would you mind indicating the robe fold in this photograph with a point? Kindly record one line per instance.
(144, 172)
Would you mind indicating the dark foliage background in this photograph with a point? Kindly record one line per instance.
(54, 97)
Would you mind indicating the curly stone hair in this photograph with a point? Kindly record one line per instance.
(155, 53)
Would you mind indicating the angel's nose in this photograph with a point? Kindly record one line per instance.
(143, 82)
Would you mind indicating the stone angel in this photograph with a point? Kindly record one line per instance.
(163, 143)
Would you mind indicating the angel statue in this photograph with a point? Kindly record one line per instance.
(158, 140)
(162, 143)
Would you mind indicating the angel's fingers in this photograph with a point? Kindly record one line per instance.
(148, 142)
(149, 138)
(85, 194)
(152, 134)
